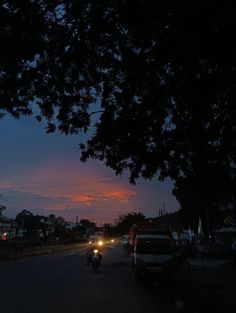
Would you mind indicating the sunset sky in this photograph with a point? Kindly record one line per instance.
(42, 173)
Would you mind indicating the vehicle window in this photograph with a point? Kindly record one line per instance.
(153, 245)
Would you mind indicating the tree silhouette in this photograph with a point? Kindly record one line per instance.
(164, 72)
(125, 221)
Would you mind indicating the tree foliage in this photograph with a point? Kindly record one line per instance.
(125, 221)
(29, 223)
(164, 71)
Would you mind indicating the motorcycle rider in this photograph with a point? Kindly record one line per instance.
(127, 249)
(90, 253)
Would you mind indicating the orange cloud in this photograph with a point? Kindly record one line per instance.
(119, 195)
(81, 198)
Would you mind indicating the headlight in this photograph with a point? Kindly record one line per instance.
(100, 243)
(112, 240)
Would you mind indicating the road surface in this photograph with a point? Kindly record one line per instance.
(63, 283)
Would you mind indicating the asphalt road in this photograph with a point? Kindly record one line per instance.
(63, 283)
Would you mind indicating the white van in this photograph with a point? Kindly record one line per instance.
(153, 255)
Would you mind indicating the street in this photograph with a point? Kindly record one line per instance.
(63, 282)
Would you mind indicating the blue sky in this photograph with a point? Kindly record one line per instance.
(42, 173)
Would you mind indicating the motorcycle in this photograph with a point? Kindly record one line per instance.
(95, 259)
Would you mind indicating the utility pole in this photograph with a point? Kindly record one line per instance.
(208, 224)
(164, 208)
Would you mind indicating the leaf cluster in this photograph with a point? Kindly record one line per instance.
(164, 71)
